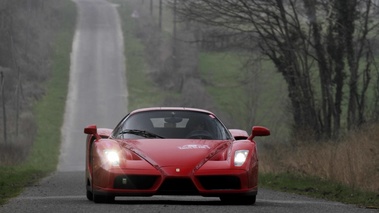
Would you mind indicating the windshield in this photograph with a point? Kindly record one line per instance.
(172, 124)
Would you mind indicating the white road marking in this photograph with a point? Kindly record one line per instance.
(51, 197)
(300, 202)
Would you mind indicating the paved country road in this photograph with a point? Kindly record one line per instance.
(98, 95)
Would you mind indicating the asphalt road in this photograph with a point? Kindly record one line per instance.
(98, 95)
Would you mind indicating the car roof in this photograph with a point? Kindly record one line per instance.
(171, 108)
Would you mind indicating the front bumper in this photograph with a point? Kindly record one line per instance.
(209, 181)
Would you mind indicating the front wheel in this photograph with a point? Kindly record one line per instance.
(239, 200)
(89, 195)
(100, 198)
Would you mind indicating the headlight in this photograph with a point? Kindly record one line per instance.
(240, 157)
(112, 157)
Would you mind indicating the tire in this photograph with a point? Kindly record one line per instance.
(239, 200)
(101, 198)
(89, 195)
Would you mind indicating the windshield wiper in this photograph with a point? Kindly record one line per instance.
(142, 133)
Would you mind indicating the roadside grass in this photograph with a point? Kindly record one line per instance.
(49, 111)
(226, 81)
(226, 88)
(351, 163)
(251, 95)
(319, 188)
(141, 90)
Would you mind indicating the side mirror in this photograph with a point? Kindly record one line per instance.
(259, 131)
(92, 130)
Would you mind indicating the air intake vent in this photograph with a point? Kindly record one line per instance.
(134, 181)
(220, 182)
(173, 186)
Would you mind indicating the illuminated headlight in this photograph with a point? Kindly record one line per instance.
(240, 157)
(112, 157)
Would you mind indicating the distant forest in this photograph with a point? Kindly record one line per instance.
(27, 34)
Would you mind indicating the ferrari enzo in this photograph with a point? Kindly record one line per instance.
(172, 151)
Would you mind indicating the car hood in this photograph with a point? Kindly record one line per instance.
(178, 153)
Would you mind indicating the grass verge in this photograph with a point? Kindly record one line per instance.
(319, 188)
(49, 113)
(141, 90)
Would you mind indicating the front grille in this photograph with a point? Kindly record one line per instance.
(220, 182)
(134, 181)
(175, 186)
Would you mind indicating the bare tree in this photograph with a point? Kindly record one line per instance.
(321, 47)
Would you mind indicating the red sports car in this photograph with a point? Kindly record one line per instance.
(172, 151)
